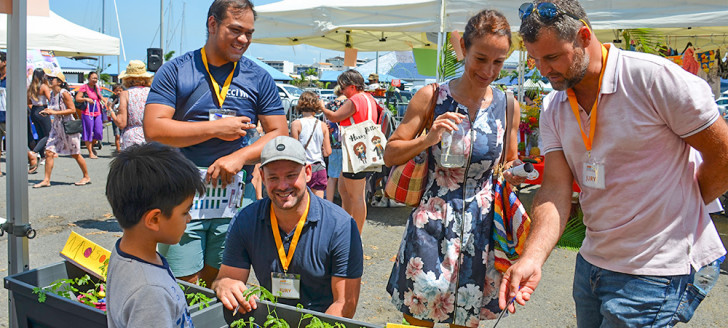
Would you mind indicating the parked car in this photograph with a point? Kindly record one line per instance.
(723, 106)
(289, 96)
(326, 94)
(400, 100)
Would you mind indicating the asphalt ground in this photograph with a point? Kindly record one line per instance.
(62, 208)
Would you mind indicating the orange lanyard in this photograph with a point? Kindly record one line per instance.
(286, 259)
(220, 94)
(588, 140)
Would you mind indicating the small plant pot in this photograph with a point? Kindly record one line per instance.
(56, 311)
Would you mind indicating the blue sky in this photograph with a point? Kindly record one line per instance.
(139, 20)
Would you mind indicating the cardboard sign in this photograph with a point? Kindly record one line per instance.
(86, 255)
(350, 57)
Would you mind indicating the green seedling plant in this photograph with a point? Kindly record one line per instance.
(61, 287)
(272, 319)
(199, 299)
(92, 296)
(65, 288)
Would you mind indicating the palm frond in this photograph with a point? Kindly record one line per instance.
(574, 233)
(645, 39)
(449, 64)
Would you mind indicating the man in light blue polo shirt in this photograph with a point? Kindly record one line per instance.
(320, 261)
(204, 102)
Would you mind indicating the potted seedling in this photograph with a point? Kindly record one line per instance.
(271, 314)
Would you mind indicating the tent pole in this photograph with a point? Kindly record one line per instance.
(521, 69)
(161, 26)
(17, 164)
(103, 29)
(440, 42)
(376, 64)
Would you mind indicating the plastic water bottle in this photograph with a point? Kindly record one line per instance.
(707, 276)
(453, 147)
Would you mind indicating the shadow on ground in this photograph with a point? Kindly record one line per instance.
(109, 225)
(390, 216)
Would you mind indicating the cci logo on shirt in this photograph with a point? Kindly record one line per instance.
(237, 93)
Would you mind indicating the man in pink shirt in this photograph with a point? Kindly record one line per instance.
(622, 125)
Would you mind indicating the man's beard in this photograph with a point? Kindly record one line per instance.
(576, 72)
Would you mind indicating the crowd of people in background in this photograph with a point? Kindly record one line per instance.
(51, 104)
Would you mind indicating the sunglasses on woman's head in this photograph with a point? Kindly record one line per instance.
(546, 11)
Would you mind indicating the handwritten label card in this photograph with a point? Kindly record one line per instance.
(87, 255)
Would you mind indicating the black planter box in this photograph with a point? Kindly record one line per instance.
(291, 315)
(61, 312)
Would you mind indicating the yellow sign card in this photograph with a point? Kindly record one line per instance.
(87, 255)
(396, 325)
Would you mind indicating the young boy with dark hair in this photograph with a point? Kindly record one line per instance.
(150, 188)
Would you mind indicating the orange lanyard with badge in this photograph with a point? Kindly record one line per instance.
(593, 170)
(220, 93)
(287, 285)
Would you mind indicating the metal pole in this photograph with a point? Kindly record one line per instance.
(103, 29)
(182, 29)
(521, 71)
(161, 26)
(440, 42)
(17, 167)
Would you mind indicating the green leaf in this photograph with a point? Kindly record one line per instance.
(449, 65)
(240, 323)
(41, 294)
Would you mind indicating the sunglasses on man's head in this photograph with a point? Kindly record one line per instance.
(546, 11)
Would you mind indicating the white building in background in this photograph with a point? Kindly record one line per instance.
(324, 67)
(337, 63)
(282, 66)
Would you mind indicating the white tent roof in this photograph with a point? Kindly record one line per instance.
(402, 25)
(324, 24)
(63, 37)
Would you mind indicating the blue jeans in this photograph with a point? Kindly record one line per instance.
(611, 299)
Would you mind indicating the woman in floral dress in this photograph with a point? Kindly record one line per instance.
(444, 269)
(59, 143)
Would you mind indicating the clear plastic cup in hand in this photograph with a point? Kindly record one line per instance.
(453, 147)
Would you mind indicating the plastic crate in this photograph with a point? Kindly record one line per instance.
(61, 312)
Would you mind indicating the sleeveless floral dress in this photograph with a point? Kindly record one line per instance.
(453, 225)
(58, 141)
(133, 134)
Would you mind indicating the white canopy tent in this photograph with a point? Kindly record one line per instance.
(380, 25)
(63, 37)
(384, 25)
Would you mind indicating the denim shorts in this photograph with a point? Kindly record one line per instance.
(202, 243)
(334, 166)
(606, 298)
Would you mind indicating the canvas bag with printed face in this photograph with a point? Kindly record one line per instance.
(363, 144)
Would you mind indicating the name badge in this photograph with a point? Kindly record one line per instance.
(593, 175)
(216, 114)
(286, 285)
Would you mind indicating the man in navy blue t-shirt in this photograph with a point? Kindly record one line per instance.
(204, 102)
(304, 249)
